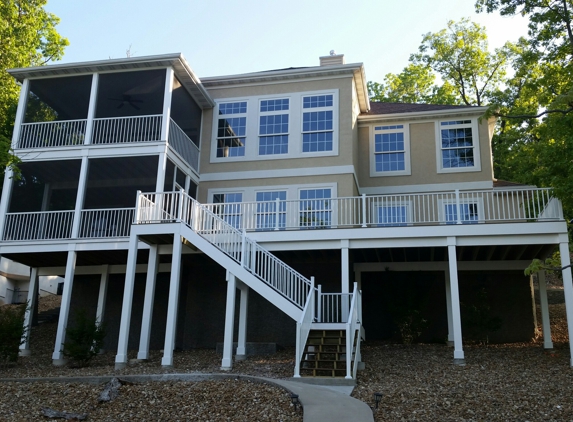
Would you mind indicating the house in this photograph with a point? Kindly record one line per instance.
(277, 206)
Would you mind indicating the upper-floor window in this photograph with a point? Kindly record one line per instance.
(317, 125)
(273, 127)
(391, 151)
(290, 125)
(232, 129)
(469, 213)
(315, 208)
(458, 146)
(230, 208)
(271, 210)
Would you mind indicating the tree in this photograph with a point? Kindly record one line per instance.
(28, 37)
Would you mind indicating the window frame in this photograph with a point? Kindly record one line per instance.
(218, 117)
(317, 109)
(473, 125)
(407, 161)
(407, 205)
(478, 202)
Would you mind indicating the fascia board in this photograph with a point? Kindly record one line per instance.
(422, 114)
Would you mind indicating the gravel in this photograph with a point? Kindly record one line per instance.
(518, 381)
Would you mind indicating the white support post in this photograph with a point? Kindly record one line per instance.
(103, 283)
(364, 210)
(545, 322)
(567, 288)
(173, 302)
(29, 315)
(91, 109)
(58, 356)
(458, 208)
(227, 362)
(455, 302)
(449, 308)
(345, 277)
(20, 113)
(243, 247)
(277, 213)
(121, 357)
(243, 309)
(80, 196)
(319, 303)
(148, 300)
(161, 167)
(169, 74)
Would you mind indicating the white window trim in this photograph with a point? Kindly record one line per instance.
(407, 162)
(480, 207)
(475, 137)
(398, 203)
(295, 126)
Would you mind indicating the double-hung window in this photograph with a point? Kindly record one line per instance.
(273, 126)
(232, 129)
(392, 215)
(458, 145)
(390, 151)
(315, 209)
(469, 213)
(318, 123)
(271, 210)
(230, 208)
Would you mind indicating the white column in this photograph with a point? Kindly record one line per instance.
(148, 303)
(173, 302)
(567, 288)
(5, 202)
(58, 356)
(227, 362)
(449, 308)
(80, 196)
(455, 302)
(547, 343)
(29, 315)
(243, 309)
(121, 357)
(167, 104)
(91, 109)
(161, 166)
(345, 274)
(20, 113)
(103, 283)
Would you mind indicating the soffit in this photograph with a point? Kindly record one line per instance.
(180, 66)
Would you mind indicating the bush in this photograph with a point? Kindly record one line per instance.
(11, 332)
(84, 339)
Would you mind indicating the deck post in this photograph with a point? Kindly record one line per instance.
(173, 302)
(544, 305)
(449, 308)
(58, 356)
(345, 278)
(148, 300)
(101, 300)
(243, 309)
(567, 287)
(121, 357)
(31, 304)
(455, 302)
(91, 109)
(227, 362)
(80, 197)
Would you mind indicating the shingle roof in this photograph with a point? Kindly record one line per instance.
(393, 108)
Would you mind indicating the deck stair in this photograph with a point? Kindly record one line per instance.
(325, 354)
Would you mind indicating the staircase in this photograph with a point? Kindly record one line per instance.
(324, 354)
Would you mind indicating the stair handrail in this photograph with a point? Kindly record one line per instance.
(303, 327)
(352, 326)
(178, 206)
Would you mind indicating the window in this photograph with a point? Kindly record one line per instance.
(458, 145)
(317, 126)
(469, 213)
(230, 208)
(273, 127)
(315, 208)
(391, 152)
(392, 215)
(232, 130)
(269, 215)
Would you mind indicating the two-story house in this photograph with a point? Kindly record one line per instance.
(167, 201)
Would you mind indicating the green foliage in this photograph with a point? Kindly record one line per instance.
(27, 38)
(11, 332)
(477, 321)
(84, 339)
(551, 265)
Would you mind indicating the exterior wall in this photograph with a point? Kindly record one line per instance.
(345, 127)
(423, 156)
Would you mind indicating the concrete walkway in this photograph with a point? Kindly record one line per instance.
(320, 403)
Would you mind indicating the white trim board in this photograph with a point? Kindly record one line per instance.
(267, 174)
(441, 187)
(440, 266)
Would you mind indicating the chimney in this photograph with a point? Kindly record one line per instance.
(332, 60)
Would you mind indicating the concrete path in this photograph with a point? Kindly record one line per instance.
(320, 403)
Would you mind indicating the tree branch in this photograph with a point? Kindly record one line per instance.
(532, 116)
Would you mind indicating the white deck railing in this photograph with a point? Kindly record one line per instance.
(454, 207)
(303, 327)
(121, 130)
(52, 134)
(333, 307)
(45, 225)
(178, 206)
(104, 223)
(184, 146)
(353, 332)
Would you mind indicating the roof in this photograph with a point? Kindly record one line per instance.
(180, 66)
(395, 108)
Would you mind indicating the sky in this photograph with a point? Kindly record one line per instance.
(225, 37)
